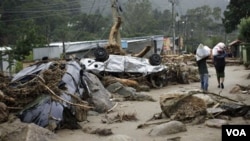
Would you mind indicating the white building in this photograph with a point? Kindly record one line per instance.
(4, 60)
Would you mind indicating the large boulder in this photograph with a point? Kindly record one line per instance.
(99, 95)
(19, 131)
(171, 127)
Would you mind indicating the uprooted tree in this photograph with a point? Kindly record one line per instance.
(113, 46)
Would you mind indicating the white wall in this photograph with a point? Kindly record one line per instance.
(51, 52)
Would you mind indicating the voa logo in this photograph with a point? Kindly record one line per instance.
(236, 132)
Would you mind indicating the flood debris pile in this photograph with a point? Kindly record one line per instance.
(185, 58)
(21, 91)
(53, 94)
(231, 107)
(183, 107)
(58, 94)
(197, 107)
(131, 70)
(180, 69)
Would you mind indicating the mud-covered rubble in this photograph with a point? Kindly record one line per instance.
(197, 107)
(46, 81)
(182, 69)
(54, 94)
(59, 94)
(62, 92)
(182, 107)
(66, 92)
(240, 89)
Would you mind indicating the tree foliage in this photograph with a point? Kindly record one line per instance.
(202, 25)
(236, 10)
(141, 19)
(244, 29)
(32, 23)
(28, 39)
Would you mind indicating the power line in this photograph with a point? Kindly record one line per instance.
(92, 6)
(47, 10)
(110, 25)
(78, 33)
(52, 5)
(34, 17)
(43, 12)
(40, 11)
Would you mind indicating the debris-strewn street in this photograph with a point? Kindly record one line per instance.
(118, 96)
(147, 110)
(159, 73)
(119, 111)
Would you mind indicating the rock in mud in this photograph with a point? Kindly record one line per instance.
(171, 127)
(120, 138)
(216, 123)
(18, 131)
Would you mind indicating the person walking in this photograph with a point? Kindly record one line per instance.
(203, 71)
(203, 53)
(219, 62)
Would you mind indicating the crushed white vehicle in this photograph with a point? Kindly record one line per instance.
(126, 66)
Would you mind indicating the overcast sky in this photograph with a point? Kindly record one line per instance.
(104, 5)
(184, 5)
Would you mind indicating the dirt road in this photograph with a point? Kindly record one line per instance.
(145, 110)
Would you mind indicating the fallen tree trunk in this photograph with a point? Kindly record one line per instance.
(127, 82)
(113, 47)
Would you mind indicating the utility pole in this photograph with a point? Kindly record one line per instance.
(173, 24)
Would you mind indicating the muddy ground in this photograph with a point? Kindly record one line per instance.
(144, 110)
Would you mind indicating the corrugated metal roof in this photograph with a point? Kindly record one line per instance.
(71, 47)
(84, 46)
(234, 42)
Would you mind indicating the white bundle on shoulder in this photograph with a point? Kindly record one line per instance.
(202, 52)
(220, 46)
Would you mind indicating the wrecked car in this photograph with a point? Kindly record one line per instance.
(55, 94)
(126, 66)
